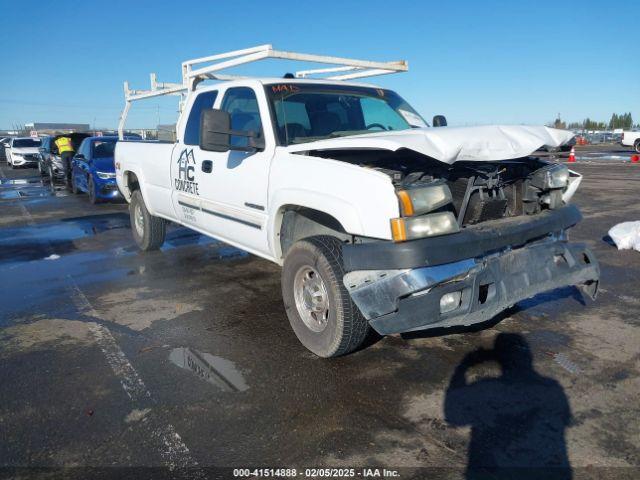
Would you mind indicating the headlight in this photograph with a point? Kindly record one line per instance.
(550, 177)
(105, 175)
(423, 199)
(16, 154)
(411, 228)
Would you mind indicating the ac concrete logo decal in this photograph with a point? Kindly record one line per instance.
(186, 173)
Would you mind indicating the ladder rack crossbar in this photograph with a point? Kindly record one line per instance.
(345, 68)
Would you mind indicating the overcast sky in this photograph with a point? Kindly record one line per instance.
(475, 62)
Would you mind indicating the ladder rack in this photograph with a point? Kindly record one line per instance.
(208, 68)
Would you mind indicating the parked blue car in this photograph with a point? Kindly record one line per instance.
(93, 170)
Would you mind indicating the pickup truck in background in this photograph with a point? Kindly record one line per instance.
(378, 220)
(631, 139)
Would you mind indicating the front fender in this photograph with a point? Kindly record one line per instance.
(338, 208)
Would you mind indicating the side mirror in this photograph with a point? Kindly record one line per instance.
(439, 121)
(216, 133)
(215, 129)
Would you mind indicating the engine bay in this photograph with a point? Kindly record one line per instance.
(480, 191)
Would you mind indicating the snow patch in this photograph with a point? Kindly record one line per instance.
(626, 235)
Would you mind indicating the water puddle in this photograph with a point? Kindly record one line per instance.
(23, 188)
(9, 194)
(26, 192)
(36, 242)
(215, 370)
(7, 183)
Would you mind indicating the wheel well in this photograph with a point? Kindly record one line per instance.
(302, 222)
(132, 182)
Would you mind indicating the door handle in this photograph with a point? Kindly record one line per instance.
(207, 166)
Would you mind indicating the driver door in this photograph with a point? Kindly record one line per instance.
(224, 194)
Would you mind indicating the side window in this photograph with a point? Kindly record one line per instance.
(242, 105)
(192, 130)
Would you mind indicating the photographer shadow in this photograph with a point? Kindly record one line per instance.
(517, 420)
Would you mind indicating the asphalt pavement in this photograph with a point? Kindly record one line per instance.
(184, 359)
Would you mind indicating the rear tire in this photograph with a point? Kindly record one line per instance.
(148, 231)
(319, 308)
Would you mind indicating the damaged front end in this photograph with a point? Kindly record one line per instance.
(472, 240)
(472, 290)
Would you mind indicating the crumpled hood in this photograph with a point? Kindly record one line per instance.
(451, 144)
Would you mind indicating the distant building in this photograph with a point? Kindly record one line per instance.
(53, 128)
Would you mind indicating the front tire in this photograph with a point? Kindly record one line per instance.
(148, 231)
(93, 197)
(319, 308)
(52, 180)
(74, 187)
(636, 146)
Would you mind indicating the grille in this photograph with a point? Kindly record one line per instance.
(484, 209)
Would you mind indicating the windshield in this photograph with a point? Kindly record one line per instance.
(308, 112)
(26, 142)
(103, 149)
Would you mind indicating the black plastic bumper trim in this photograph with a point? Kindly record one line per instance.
(471, 242)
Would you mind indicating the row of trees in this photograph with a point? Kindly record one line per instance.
(624, 121)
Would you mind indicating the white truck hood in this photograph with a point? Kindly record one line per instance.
(450, 144)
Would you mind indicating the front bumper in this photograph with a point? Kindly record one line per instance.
(20, 161)
(107, 189)
(57, 167)
(396, 301)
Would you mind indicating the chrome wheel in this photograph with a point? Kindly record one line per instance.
(312, 299)
(139, 220)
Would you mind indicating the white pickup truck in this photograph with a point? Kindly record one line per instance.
(377, 219)
(631, 139)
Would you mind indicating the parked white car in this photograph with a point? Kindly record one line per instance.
(631, 139)
(377, 219)
(23, 151)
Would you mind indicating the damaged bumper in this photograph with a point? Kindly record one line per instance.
(471, 290)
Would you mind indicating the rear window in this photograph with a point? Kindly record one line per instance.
(103, 149)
